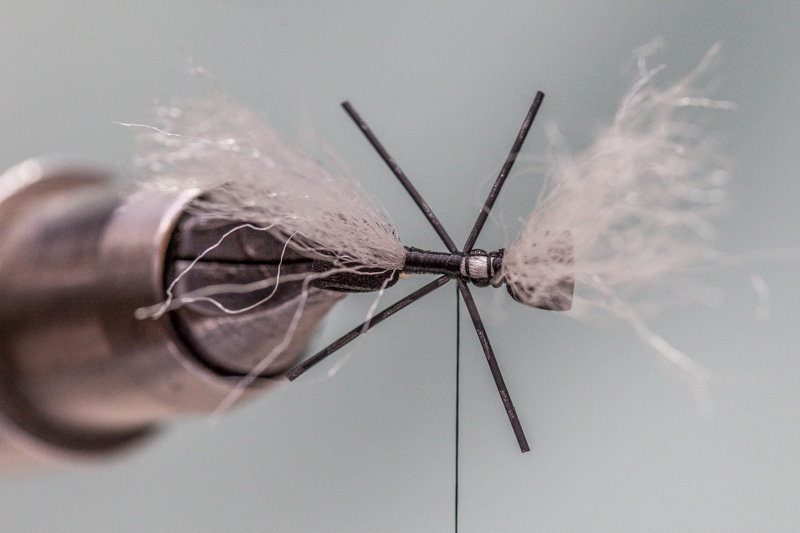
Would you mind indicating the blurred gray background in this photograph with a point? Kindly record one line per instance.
(617, 442)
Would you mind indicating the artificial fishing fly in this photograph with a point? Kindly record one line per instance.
(630, 212)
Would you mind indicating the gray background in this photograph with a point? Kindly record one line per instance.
(617, 443)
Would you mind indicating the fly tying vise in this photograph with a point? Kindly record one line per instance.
(468, 265)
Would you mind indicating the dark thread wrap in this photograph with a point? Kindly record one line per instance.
(425, 262)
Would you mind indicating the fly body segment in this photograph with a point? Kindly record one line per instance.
(467, 265)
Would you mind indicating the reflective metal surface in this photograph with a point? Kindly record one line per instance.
(79, 374)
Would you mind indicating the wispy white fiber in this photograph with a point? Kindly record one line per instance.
(637, 205)
(254, 176)
(629, 213)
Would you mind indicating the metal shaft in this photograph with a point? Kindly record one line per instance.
(79, 374)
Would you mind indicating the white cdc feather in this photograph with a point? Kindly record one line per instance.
(637, 205)
(250, 174)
